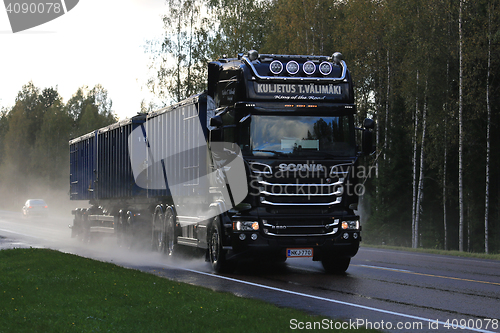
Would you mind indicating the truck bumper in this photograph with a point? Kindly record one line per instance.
(255, 245)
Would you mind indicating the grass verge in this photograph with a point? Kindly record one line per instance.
(48, 291)
(436, 251)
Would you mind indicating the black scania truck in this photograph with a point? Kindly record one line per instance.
(262, 165)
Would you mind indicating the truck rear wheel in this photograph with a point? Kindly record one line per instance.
(77, 224)
(335, 265)
(86, 235)
(171, 246)
(158, 231)
(163, 238)
(216, 252)
(120, 228)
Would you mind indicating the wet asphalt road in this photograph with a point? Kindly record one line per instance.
(390, 290)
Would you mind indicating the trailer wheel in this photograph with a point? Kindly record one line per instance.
(158, 233)
(75, 230)
(171, 246)
(216, 253)
(128, 230)
(120, 228)
(86, 236)
(335, 265)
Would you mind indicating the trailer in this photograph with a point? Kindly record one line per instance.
(261, 166)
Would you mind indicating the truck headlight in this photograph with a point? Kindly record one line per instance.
(245, 225)
(350, 225)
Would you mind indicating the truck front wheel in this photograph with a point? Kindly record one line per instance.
(216, 253)
(335, 265)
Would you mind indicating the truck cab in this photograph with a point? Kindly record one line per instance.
(293, 119)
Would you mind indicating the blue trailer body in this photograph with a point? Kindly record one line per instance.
(100, 166)
(114, 174)
(82, 166)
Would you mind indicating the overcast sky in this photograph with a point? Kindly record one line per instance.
(96, 42)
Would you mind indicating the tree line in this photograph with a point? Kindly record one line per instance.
(34, 137)
(426, 71)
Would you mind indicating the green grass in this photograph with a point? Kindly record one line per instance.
(48, 291)
(436, 251)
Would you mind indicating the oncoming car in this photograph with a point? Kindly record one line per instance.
(35, 207)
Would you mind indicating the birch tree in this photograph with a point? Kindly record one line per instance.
(420, 193)
(414, 226)
(460, 136)
(388, 88)
(179, 65)
(488, 139)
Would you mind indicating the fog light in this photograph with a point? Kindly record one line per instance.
(345, 235)
(243, 237)
(355, 235)
(254, 236)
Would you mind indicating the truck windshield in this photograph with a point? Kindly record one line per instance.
(264, 135)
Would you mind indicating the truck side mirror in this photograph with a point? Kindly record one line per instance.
(369, 123)
(367, 142)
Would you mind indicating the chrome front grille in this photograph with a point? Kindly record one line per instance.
(300, 227)
(308, 194)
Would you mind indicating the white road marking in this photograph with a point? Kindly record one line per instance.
(404, 315)
(436, 255)
(386, 268)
